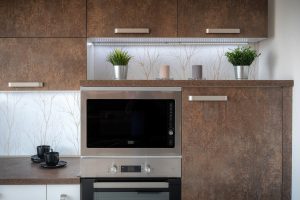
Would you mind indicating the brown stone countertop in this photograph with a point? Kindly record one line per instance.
(187, 83)
(21, 171)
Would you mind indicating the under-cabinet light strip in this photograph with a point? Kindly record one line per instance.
(170, 41)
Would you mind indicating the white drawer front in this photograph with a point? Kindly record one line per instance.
(63, 192)
(22, 192)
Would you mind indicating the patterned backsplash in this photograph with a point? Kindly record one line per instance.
(29, 119)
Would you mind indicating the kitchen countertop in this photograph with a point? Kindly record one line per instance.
(21, 171)
(187, 83)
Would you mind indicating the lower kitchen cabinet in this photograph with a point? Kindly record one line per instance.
(24, 192)
(63, 192)
(235, 148)
(40, 192)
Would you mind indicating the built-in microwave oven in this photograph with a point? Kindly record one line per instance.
(133, 121)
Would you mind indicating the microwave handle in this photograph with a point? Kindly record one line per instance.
(126, 185)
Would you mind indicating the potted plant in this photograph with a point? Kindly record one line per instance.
(119, 59)
(241, 58)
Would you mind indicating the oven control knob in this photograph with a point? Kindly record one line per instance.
(171, 132)
(113, 169)
(147, 169)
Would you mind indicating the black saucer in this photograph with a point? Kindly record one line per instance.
(60, 164)
(36, 159)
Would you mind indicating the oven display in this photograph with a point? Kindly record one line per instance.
(131, 168)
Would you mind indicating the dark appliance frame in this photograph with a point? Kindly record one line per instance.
(87, 189)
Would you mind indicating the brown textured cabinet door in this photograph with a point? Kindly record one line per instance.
(232, 149)
(60, 63)
(43, 18)
(250, 16)
(253, 18)
(160, 16)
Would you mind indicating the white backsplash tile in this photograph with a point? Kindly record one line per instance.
(29, 119)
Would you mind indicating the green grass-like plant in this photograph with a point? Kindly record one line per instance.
(242, 56)
(118, 57)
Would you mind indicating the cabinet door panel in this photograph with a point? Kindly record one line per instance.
(250, 16)
(195, 16)
(58, 62)
(232, 149)
(24, 192)
(71, 192)
(42, 18)
(253, 18)
(160, 16)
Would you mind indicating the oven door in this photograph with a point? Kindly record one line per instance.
(131, 189)
(131, 121)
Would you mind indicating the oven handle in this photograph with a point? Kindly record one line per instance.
(125, 185)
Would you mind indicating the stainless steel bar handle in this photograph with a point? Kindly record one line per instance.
(25, 84)
(208, 98)
(132, 30)
(223, 30)
(63, 197)
(131, 185)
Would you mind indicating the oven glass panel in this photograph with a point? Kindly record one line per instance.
(131, 196)
(130, 123)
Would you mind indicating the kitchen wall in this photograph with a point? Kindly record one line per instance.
(28, 119)
(280, 60)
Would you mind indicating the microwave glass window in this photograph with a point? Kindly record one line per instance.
(134, 123)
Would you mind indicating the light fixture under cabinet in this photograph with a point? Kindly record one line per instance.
(126, 41)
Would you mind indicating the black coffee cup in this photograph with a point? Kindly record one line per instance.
(51, 158)
(41, 150)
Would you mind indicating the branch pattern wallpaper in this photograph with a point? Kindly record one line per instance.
(29, 119)
(148, 59)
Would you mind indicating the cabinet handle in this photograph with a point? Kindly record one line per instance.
(223, 30)
(25, 84)
(132, 30)
(208, 98)
(63, 197)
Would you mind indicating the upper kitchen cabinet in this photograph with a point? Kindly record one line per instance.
(43, 18)
(147, 18)
(58, 63)
(223, 18)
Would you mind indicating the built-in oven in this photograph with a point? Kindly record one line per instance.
(130, 143)
(141, 121)
(131, 189)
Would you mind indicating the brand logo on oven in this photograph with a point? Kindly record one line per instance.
(130, 142)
